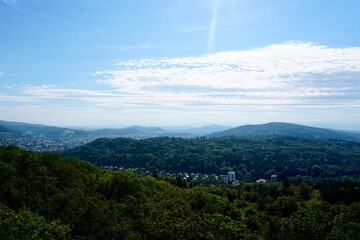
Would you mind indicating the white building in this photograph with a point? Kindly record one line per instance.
(261, 180)
(231, 176)
(274, 178)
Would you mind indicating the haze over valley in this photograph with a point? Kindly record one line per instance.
(49, 138)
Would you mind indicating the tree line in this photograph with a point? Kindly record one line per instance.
(251, 158)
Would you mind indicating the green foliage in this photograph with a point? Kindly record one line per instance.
(347, 191)
(176, 222)
(347, 224)
(251, 157)
(283, 206)
(45, 196)
(309, 223)
(30, 226)
(224, 228)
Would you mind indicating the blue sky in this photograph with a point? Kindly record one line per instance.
(117, 62)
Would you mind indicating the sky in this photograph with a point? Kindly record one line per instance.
(115, 63)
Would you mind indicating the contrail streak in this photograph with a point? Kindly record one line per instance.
(213, 26)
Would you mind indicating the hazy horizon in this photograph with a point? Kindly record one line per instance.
(180, 63)
(177, 128)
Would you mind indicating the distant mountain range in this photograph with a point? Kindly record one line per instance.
(133, 130)
(20, 129)
(205, 130)
(290, 130)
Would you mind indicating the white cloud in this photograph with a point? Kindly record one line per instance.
(288, 73)
(12, 98)
(53, 92)
(281, 79)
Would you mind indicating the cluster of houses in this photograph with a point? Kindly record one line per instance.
(40, 143)
(273, 179)
(229, 178)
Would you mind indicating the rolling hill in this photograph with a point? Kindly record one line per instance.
(19, 129)
(39, 129)
(288, 129)
(133, 132)
(205, 130)
(251, 157)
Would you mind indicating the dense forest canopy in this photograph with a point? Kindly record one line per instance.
(45, 196)
(251, 157)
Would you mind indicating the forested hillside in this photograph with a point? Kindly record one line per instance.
(251, 157)
(289, 130)
(44, 196)
(40, 130)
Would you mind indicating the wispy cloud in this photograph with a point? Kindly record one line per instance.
(213, 24)
(292, 75)
(16, 98)
(7, 74)
(10, 2)
(289, 73)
